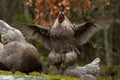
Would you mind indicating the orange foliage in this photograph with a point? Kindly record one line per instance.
(47, 10)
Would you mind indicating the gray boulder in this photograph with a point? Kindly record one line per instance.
(17, 54)
(87, 72)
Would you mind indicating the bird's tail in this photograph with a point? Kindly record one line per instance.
(4, 27)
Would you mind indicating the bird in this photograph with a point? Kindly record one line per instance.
(17, 54)
(88, 72)
(62, 38)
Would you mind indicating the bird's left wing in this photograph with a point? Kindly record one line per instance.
(37, 32)
(84, 31)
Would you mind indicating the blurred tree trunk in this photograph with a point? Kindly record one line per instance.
(114, 31)
(107, 47)
(114, 37)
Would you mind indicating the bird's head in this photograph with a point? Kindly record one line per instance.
(61, 17)
(62, 21)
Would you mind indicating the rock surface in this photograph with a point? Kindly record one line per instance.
(10, 77)
(87, 72)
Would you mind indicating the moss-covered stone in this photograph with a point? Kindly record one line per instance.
(7, 75)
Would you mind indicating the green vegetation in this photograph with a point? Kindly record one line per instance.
(22, 18)
(37, 75)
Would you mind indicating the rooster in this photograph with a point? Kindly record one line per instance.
(62, 39)
(17, 54)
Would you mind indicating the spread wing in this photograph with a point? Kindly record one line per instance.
(84, 31)
(37, 32)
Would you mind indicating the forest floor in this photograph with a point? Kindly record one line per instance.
(7, 75)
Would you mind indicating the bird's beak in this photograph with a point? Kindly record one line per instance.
(61, 17)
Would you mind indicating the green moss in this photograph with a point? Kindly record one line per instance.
(37, 75)
(60, 77)
(5, 72)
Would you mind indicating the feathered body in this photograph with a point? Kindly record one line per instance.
(62, 44)
(62, 37)
(17, 54)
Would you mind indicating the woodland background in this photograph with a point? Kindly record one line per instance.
(105, 44)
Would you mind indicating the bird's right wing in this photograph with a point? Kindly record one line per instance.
(37, 32)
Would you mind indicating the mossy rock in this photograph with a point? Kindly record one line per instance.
(7, 75)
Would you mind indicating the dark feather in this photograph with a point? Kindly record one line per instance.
(32, 31)
(84, 31)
